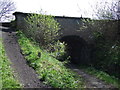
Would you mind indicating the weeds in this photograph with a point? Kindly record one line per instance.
(50, 70)
(7, 79)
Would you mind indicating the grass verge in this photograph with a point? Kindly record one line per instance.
(7, 79)
(103, 76)
(50, 70)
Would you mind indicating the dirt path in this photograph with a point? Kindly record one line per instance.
(25, 74)
(90, 80)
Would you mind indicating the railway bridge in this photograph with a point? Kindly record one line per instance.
(80, 42)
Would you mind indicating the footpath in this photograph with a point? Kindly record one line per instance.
(25, 74)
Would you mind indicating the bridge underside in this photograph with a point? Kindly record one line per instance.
(77, 49)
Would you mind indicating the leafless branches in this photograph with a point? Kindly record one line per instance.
(107, 10)
(6, 8)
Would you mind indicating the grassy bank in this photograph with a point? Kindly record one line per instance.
(103, 76)
(7, 79)
(50, 70)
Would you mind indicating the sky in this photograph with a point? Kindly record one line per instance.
(72, 8)
(69, 8)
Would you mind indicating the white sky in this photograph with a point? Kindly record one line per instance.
(73, 8)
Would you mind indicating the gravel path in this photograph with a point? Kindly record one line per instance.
(90, 80)
(25, 74)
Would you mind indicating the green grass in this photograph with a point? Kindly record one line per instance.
(50, 70)
(7, 79)
(103, 76)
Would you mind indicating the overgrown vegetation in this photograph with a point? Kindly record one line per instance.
(50, 70)
(42, 28)
(108, 57)
(41, 56)
(42, 50)
(106, 49)
(7, 79)
(106, 52)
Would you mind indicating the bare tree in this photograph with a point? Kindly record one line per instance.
(107, 10)
(6, 8)
(118, 12)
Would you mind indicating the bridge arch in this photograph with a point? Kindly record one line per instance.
(77, 49)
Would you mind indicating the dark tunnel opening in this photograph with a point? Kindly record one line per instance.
(77, 49)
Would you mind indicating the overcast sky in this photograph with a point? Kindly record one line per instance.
(73, 8)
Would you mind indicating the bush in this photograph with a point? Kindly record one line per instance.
(45, 30)
(107, 57)
(106, 50)
(58, 50)
(42, 28)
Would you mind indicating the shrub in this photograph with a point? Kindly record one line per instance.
(42, 28)
(106, 52)
(45, 30)
(107, 57)
(58, 50)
